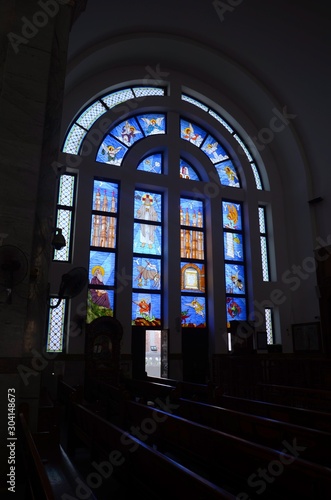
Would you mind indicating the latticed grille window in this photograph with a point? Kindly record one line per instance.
(56, 326)
(269, 325)
(64, 214)
(264, 244)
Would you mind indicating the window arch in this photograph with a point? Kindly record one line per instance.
(198, 221)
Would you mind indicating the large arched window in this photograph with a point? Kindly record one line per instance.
(173, 203)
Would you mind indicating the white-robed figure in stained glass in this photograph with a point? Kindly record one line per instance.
(147, 237)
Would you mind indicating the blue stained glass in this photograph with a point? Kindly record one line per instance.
(234, 279)
(187, 172)
(127, 132)
(212, 148)
(105, 196)
(193, 277)
(147, 239)
(152, 164)
(228, 174)
(146, 309)
(152, 123)
(193, 311)
(103, 231)
(148, 206)
(233, 246)
(99, 303)
(111, 151)
(235, 308)
(231, 215)
(191, 132)
(102, 268)
(146, 273)
(191, 212)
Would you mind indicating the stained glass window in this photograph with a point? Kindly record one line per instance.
(56, 326)
(193, 273)
(64, 215)
(264, 244)
(212, 148)
(192, 132)
(234, 261)
(153, 164)
(152, 124)
(186, 171)
(103, 244)
(227, 173)
(269, 325)
(111, 151)
(147, 254)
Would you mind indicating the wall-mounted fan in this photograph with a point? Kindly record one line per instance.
(13, 268)
(72, 284)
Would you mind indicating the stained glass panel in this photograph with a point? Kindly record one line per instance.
(269, 325)
(194, 102)
(111, 151)
(102, 268)
(193, 311)
(146, 273)
(146, 309)
(191, 212)
(66, 190)
(105, 196)
(127, 132)
(147, 239)
(244, 148)
(192, 133)
(262, 220)
(233, 246)
(235, 308)
(231, 215)
(256, 176)
(264, 256)
(187, 172)
(91, 114)
(115, 98)
(152, 124)
(191, 244)
(64, 221)
(147, 91)
(228, 174)
(221, 120)
(212, 148)
(193, 276)
(103, 231)
(234, 279)
(100, 302)
(55, 331)
(74, 140)
(152, 164)
(148, 206)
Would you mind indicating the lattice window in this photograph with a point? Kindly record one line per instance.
(64, 214)
(264, 244)
(269, 325)
(56, 326)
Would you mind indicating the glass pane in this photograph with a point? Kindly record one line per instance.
(127, 132)
(194, 102)
(269, 326)
(117, 97)
(74, 140)
(55, 331)
(264, 255)
(191, 244)
(146, 309)
(233, 246)
(148, 206)
(221, 120)
(228, 174)
(231, 215)
(212, 148)
(66, 191)
(187, 172)
(192, 133)
(102, 268)
(152, 124)
(244, 148)
(193, 277)
(152, 164)
(193, 311)
(147, 91)
(91, 114)
(105, 196)
(234, 279)
(235, 308)
(147, 239)
(103, 231)
(99, 303)
(146, 273)
(63, 221)
(191, 212)
(256, 176)
(262, 220)
(111, 151)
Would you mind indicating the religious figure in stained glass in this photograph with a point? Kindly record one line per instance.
(147, 212)
(214, 150)
(227, 174)
(195, 134)
(152, 124)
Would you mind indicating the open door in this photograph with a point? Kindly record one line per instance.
(156, 353)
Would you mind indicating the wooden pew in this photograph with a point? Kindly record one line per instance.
(146, 390)
(301, 397)
(234, 462)
(266, 431)
(299, 416)
(136, 464)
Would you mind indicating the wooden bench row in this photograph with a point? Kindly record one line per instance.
(244, 468)
(302, 397)
(141, 468)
